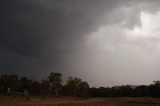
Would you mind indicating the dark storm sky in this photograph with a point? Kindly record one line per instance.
(105, 42)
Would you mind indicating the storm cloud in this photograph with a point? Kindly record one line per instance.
(102, 41)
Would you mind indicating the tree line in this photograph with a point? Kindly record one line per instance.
(152, 90)
(14, 85)
(50, 86)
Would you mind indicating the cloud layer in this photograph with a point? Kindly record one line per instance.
(105, 42)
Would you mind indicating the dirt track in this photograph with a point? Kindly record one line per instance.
(65, 101)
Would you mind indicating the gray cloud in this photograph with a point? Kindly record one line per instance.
(34, 27)
(39, 36)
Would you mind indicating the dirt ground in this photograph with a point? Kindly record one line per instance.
(68, 101)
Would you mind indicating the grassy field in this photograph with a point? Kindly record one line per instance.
(66, 101)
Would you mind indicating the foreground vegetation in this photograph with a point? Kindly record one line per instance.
(51, 86)
(12, 85)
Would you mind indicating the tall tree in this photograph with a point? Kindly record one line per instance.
(55, 80)
(14, 83)
(73, 85)
(4, 83)
(83, 90)
(44, 88)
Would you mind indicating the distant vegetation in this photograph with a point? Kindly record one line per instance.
(14, 85)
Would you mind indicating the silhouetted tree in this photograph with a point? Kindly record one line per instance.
(77, 88)
(83, 89)
(25, 84)
(73, 85)
(13, 85)
(4, 83)
(154, 89)
(55, 80)
(34, 88)
(44, 88)
(141, 91)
